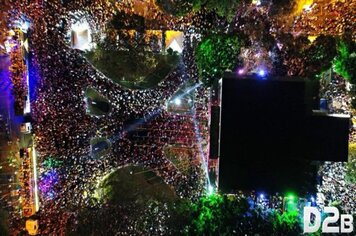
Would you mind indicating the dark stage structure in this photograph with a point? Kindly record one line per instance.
(269, 137)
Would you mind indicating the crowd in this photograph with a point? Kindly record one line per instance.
(18, 74)
(25, 180)
(333, 18)
(333, 88)
(64, 130)
(334, 189)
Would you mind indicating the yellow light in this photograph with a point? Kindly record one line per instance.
(85, 194)
(34, 172)
(303, 5)
(32, 227)
(312, 38)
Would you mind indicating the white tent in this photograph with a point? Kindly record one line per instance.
(175, 46)
(80, 36)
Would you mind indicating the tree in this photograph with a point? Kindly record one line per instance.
(224, 8)
(320, 54)
(286, 223)
(282, 6)
(175, 7)
(215, 54)
(345, 61)
(218, 215)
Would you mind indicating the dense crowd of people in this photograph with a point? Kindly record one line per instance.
(333, 18)
(333, 89)
(138, 126)
(334, 189)
(18, 72)
(64, 130)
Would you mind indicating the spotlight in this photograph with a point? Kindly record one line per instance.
(241, 71)
(210, 190)
(177, 101)
(261, 72)
(262, 196)
(24, 26)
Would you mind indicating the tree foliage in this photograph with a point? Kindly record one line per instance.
(345, 61)
(215, 54)
(224, 8)
(282, 6)
(216, 215)
(175, 7)
(320, 54)
(222, 215)
(286, 222)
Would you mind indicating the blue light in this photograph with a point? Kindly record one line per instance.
(312, 199)
(262, 196)
(261, 72)
(24, 26)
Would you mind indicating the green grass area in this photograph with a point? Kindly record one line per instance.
(131, 69)
(97, 104)
(180, 156)
(96, 140)
(134, 184)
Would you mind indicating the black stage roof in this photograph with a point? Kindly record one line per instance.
(269, 135)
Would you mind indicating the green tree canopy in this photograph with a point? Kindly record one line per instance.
(175, 7)
(232, 215)
(282, 6)
(320, 54)
(345, 61)
(215, 54)
(224, 8)
(216, 215)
